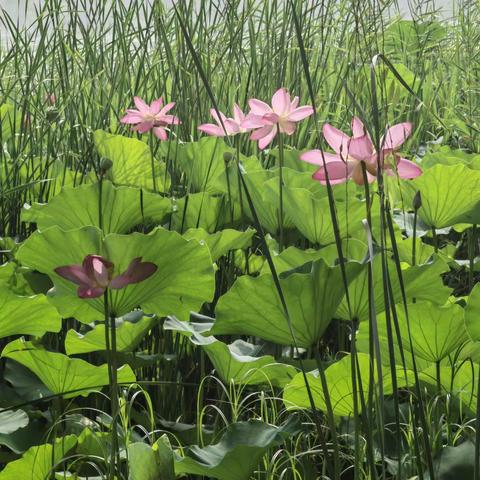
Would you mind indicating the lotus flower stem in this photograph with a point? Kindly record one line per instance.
(239, 172)
(110, 347)
(280, 189)
(471, 235)
(152, 159)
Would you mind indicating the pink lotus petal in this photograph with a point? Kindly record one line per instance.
(287, 127)
(156, 106)
(267, 139)
(407, 169)
(338, 172)
(357, 127)
(360, 148)
(281, 101)
(100, 272)
(238, 114)
(73, 273)
(166, 108)
(252, 121)
(160, 133)
(143, 127)
(170, 120)
(211, 129)
(141, 105)
(300, 113)
(315, 157)
(85, 291)
(216, 117)
(231, 126)
(270, 118)
(336, 139)
(261, 132)
(396, 135)
(294, 103)
(132, 117)
(258, 107)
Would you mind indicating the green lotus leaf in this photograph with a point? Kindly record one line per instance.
(130, 331)
(460, 382)
(200, 210)
(10, 121)
(27, 315)
(183, 281)
(123, 208)
(131, 159)
(60, 374)
(11, 277)
(38, 462)
(314, 221)
(450, 195)
(147, 462)
(472, 314)
(445, 155)
(340, 389)
(220, 243)
(454, 462)
(204, 165)
(422, 282)
(239, 361)
(264, 190)
(12, 420)
(238, 453)
(293, 257)
(436, 332)
(252, 306)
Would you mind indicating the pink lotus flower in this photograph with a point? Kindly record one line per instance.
(94, 276)
(350, 152)
(280, 117)
(232, 125)
(151, 117)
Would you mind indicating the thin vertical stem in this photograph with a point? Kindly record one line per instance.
(152, 160)
(280, 188)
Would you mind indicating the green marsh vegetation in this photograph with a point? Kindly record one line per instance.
(176, 303)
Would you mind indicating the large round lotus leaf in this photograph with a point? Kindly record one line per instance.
(340, 386)
(450, 195)
(263, 186)
(27, 315)
(472, 314)
(238, 453)
(147, 462)
(132, 164)
(183, 281)
(421, 282)
(312, 293)
(130, 331)
(315, 222)
(37, 462)
(220, 243)
(436, 332)
(61, 374)
(240, 361)
(122, 208)
(200, 210)
(460, 382)
(12, 420)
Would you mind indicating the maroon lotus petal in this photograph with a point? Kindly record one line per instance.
(86, 291)
(136, 272)
(98, 269)
(73, 273)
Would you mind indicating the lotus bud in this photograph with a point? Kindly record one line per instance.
(417, 201)
(227, 157)
(105, 165)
